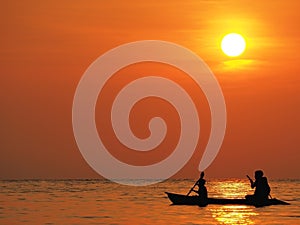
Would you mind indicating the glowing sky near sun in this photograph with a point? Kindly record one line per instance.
(46, 47)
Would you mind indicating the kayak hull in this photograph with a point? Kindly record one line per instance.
(178, 199)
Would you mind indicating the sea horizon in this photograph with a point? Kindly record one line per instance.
(169, 179)
(100, 201)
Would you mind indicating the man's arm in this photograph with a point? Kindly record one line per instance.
(253, 184)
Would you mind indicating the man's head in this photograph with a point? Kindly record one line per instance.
(258, 174)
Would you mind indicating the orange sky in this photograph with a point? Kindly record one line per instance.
(47, 45)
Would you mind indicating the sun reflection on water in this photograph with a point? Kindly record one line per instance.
(229, 189)
(233, 214)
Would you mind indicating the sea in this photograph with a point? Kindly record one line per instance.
(104, 202)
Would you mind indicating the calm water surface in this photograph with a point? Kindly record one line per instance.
(104, 202)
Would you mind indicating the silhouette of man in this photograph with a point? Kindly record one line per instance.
(202, 191)
(262, 188)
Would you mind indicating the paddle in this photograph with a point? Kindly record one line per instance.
(270, 196)
(201, 177)
(250, 180)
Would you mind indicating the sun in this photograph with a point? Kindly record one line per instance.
(233, 44)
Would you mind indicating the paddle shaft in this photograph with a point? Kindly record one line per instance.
(192, 189)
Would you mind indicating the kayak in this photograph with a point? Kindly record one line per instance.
(178, 199)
